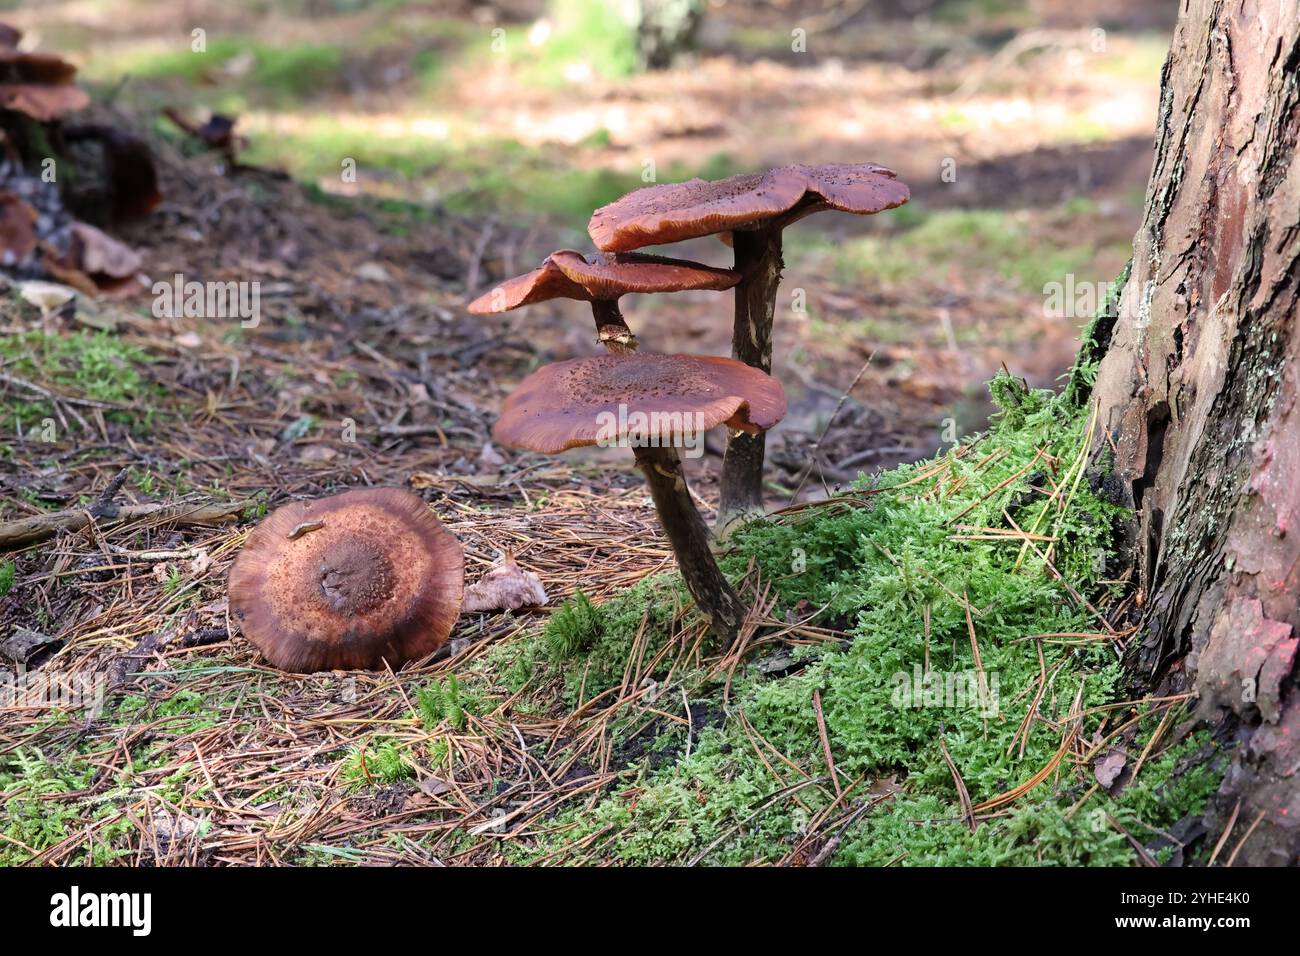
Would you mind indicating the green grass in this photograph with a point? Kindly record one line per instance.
(472, 176)
(591, 32)
(928, 245)
(278, 73)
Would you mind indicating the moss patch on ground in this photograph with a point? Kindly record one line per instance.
(96, 366)
(967, 655)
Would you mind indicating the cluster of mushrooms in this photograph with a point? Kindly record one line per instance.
(371, 577)
(569, 404)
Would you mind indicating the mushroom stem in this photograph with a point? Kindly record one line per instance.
(611, 328)
(758, 260)
(689, 537)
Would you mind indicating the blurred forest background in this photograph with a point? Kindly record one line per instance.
(1023, 127)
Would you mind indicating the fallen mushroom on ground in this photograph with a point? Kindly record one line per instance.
(355, 580)
(754, 209)
(505, 587)
(602, 282)
(654, 404)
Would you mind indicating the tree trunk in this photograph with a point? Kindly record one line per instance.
(1197, 392)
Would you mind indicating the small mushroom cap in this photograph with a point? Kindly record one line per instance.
(567, 274)
(672, 212)
(605, 399)
(349, 581)
(38, 84)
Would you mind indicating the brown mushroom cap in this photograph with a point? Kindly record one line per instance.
(570, 404)
(567, 274)
(38, 84)
(672, 212)
(349, 581)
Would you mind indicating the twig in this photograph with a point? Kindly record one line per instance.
(26, 531)
(826, 746)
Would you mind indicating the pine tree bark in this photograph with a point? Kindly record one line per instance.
(1197, 390)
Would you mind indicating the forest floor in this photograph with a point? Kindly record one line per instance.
(610, 731)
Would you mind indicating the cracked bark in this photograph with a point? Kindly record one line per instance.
(1197, 390)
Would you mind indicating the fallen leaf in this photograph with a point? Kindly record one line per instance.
(317, 453)
(200, 562)
(170, 828)
(95, 263)
(98, 253)
(372, 272)
(490, 459)
(1109, 767)
(434, 787)
(24, 644)
(505, 587)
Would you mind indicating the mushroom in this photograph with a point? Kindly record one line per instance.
(567, 274)
(349, 581)
(49, 297)
(754, 209)
(655, 404)
(38, 84)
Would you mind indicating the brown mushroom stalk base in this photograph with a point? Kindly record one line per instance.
(758, 260)
(689, 537)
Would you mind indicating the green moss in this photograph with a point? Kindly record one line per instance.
(37, 814)
(590, 646)
(447, 701)
(96, 366)
(889, 565)
(375, 763)
(573, 628)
